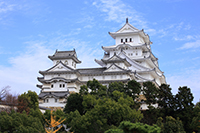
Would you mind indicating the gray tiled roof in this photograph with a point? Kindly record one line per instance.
(100, 71)
(65, 55)
(55, 94)
(111, 81)
(92, 70)
(57, 79)
(115, 58)
(47, 71)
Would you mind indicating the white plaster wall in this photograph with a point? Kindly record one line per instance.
(52, 103)
(135, 39)
(71, 89)
(158, 81)
(47, 77)
(69, 63)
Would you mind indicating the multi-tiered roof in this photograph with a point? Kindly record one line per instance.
(129, 58)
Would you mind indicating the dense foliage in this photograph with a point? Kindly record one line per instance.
(128, 127)
(15, 122)
(111, 109)
(102, 108)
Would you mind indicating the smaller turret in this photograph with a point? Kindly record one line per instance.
(69, 58)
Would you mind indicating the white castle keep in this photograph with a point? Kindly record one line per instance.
(130, 58)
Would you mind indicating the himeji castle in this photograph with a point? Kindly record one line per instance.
(130, 58)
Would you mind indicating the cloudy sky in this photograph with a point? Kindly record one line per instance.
(30, 30)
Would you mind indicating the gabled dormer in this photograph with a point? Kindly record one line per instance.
(128, 34)
(121, 62)
(69, 58)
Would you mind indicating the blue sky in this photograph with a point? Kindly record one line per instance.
(32, 30)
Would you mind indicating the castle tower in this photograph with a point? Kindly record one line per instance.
(129, 58)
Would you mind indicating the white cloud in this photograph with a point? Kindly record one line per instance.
(191, 45)
(187, 37)
(117, 11)
(22, 73)
(5, 7)
(189, 78)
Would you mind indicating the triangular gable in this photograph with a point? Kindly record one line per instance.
(115, 57)
(127, 28)
(114, 68)
(59, 67)
(134, 64)
(141, 78)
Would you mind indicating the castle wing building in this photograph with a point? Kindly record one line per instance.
(130, 58)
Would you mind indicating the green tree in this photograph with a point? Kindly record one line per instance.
(102, 114)
(166, 101)
(20, 123)
(195, 124)
(184, 106)
(150, 92)
(83, 90)
(171, 125)
(27, 101)
(133, 89)
(96, 88)
(128, 127)
(74, 102)
(115, 86)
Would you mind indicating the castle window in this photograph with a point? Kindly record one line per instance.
(44, 100)
(47, 100)
(136, 53)
(66, 62)
(130, 39)
(60, 85)
(63, 85)
(55, 100)
(72, 63)
(52, 86)
(126, 40)
(121, 40)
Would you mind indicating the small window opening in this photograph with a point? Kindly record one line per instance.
(56, 100)
(47, 100)
(52, 86)
(121, 40)
(126, 40)
(130, 39)
(60, 85)
(63, 85)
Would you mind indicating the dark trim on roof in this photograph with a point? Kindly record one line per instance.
(119, 59)
(56, 79)
(65, 55)
(47, 71)
(43, 95)
(123, 70)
